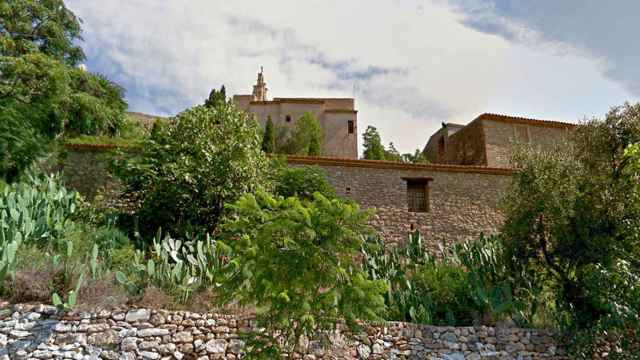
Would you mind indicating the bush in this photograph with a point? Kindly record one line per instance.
(572, 217)
(303, 182)
(189, 169)
(297, 262)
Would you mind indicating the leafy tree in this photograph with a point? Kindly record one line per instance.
(216, 97)
(297, 263)
(268, 139)
(47, 27)
(307, 135)
(40, 87)
(373, 149)
(572, 216)
(416, 158)
(303, 182)
(392, 153)
(187, 172)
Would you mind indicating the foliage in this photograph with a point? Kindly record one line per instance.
(268, 139)
(303, 182)
(216, 97)
(20, 146)
(416, 158)
(40, 26)
(41, 90)
(573, 216)
(187, 171)
(297, 263)
(178, 267)
(392, 153)
(307, 136)
(465, 286)
(373, 149)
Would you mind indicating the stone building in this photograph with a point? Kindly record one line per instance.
(337, 116)
(446, 203)
(489, 139)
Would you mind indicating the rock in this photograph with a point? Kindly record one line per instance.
(138, 315)
(377, 348)
(183, 337)
(129, 344)
(216, 346)
(453, 356)
(19, 333)
(104, 339)
(149, 355)
(152, 332)
(363, 351)
(236, 346)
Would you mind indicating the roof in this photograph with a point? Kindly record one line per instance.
(523, 120)
(394, 165)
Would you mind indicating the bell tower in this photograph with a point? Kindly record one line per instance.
(260, 88)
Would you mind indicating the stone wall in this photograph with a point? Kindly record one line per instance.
(41, 332)
(500, 138)
(464, 201)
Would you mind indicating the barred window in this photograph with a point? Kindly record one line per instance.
(351, 126)
(418, 194)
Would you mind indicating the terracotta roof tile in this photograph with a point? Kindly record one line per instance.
(523, 120)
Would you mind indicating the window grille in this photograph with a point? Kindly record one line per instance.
(418, 195)
(351, 126)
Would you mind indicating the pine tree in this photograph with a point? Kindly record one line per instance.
(373, 149)
(268, 140)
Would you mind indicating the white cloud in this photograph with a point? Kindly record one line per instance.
(414, 63)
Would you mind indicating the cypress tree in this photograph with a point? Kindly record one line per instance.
(268, 140)
(314, 146)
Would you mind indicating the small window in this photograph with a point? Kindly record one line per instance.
(288, 118)
(418, 194)
(351, 126)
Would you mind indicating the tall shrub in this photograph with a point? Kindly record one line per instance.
(297, 263)
(185, 174)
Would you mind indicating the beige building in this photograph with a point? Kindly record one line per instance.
(489, 139)
(337, 116)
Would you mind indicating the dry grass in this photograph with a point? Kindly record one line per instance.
(104, 293)
(33, 285)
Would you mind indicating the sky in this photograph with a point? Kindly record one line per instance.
(410, 64)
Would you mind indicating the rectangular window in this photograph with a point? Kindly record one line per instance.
(351, 126)
(418, 194)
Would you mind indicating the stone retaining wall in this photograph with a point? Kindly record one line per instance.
(41, 332)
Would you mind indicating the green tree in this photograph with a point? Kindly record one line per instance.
(297, 262)
(373, 149)
(572, 216)
(392, 153)
(48, 27)
(216, 97)
(40, 87)
(303, 182)
(268, 139)
(307, 135)
(186, 174)
(416, 158)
